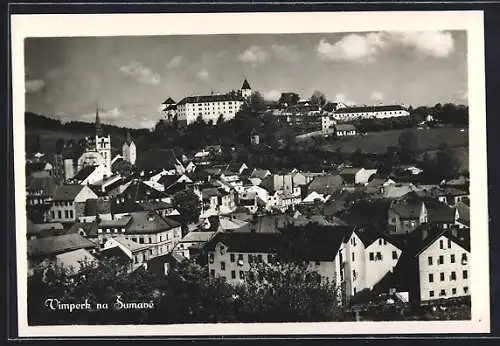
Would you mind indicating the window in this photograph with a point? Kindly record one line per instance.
(454, 291)
(259, 258)
(353, 256)
(431, 293)
(441, 260)
(431, 277)
(222, 265)
(135, 259)
(211, 257)
(354, 275)
(233, 274)
(250, 258)
(240, 257)
(141, 240)
(453, 276)
(385, 241)
(442, 293)
(232, 257)
(429, 260)
(452, 258)
(464, 274)
(212, 272)
(66, 214)
(59, 214)
(52, 214)
(380, 241)
(379, 256)
(449, 244)
(394, 255)
(354, 290)
(371, 256)
(441, 244)
(464, 258)
(466, 290)
(441, 276)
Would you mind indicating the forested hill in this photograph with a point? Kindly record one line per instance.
(35, 121)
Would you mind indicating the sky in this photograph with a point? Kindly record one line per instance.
(129, 77)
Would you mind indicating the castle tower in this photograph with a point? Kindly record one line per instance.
(129, 149)
(246, 91)
(102, 141)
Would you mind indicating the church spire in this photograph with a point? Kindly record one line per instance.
(98, 128)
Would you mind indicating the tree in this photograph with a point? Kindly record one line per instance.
(256, 102)
(285, 292)
(318, 99)
(407, 146)
(447, 162)
(289, 98)
(188, 205)
(59, 145)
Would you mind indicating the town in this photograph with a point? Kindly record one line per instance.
(236, 209)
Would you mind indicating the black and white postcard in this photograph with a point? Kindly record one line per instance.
(233, 174)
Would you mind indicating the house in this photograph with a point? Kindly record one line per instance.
(86, 229)
(442, 262)
(328, 124)
(74, 261)
(189, 246)
(158, 233)
(39, 190)
(325, 184)
(43, 251)
(137, 192)
(68, 203)
(394, 191)
(169, 109)
(129, 150)
(165, 264)
(406, 215)
(41, 230)
(315, 197)
(449, 195)
(230, 254)
(343, 130)
(357, 175)
(136, 254)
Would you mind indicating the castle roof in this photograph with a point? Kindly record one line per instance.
(246, 85)
(210, 98)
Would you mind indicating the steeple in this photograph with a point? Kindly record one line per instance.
(246, 85)
(128, 138)
(98, 128)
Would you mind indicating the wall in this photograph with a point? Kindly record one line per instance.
(62, 211)
(447, 267)
(376, 269)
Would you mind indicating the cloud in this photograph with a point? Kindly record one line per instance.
(272, 95)
(377, 96)
(285, 53)
(140, 73)
(202, 75)
(33, 86)
(365, 47)
(175, 61)
(253, 55)
(351, 47)
(343, 99)
(437, 44)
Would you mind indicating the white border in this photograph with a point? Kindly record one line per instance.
(226, 23)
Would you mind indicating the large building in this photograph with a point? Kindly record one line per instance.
(211, 107)
(368, 112)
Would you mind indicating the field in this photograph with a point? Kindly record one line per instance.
(377, 142)
(427, 140)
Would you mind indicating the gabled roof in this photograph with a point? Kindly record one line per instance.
(90, 228)
(246, 85)
(130, 244)
(57, 244)
(157, 159)
(149, 222)
(435, 234)
(121, 222)
(45, 184)
(67, 192)
(197, 237)
(84, 173)
(407, 210)
(325, 184)
(168, 101)
(139, 191)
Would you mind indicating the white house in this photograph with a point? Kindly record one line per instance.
(68, 202)
(129, 150)
(367, 112)
(443, 267)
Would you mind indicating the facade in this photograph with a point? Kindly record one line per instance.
(343, 130)
(369, 112)
(443, 269)
(404, 217)
(211, 107)
(129, 150)
(68, 203)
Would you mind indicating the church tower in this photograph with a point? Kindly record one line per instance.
(102, 141)
(246, 91)
(129, 149)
